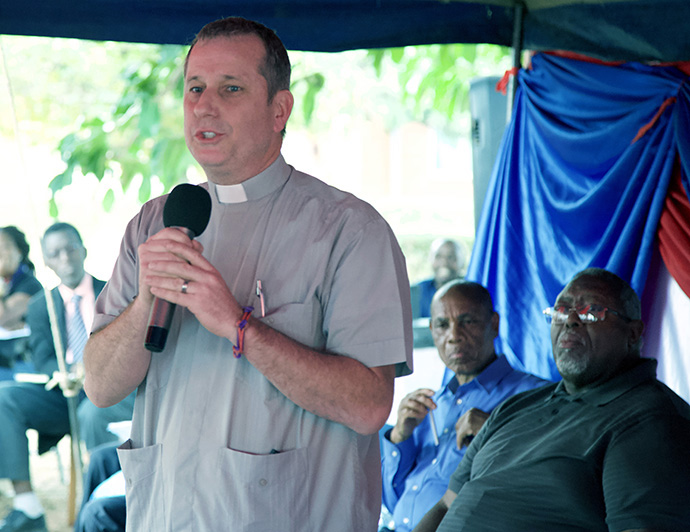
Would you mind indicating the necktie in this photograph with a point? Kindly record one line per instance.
(76, 332)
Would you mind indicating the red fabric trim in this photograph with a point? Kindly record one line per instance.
(579, 57)
(502, 85)
(683, 66)
(641, 132)
(674, 231)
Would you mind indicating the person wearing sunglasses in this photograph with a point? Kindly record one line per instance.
(605, 449)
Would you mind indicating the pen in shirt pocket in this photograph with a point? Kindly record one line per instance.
(260, 295)
(434, 430)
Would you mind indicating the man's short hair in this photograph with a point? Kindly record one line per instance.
(468, 289)
(60, 227)
(620, 290)
(276, 66)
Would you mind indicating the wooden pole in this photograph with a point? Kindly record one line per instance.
(76, 463)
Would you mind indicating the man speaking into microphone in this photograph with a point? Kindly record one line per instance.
(292, 319)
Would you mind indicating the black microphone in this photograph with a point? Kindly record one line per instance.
(188, 208)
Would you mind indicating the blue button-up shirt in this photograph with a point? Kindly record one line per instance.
(415, 471)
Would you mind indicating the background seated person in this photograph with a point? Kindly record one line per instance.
(605, 449)
(26, 405)
(17, 285)
(103, 507)
(447, 259)
(415, 468)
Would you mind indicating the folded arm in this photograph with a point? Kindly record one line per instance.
(336, 387)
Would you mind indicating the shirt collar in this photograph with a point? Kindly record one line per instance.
(642, 371)
(262, 184)
(84, 287)
(489, 378)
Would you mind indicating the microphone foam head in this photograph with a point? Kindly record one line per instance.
(188, 206)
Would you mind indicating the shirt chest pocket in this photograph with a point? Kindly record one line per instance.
(265, 493)
(300, 321)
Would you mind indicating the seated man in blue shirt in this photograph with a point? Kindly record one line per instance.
(416, 460)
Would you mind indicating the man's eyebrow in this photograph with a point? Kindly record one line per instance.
(587, 299)
(226, 77)
(459, 316)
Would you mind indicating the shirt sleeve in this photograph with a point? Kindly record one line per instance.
(397, 461)
(42, 349)
(368, 317)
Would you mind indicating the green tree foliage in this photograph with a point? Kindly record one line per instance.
(141, 139)
(435, 78)
(143, 135)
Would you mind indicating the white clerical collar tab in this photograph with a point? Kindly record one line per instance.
(231, 193)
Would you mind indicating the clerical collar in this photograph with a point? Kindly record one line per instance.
(256, 187)
(231, 193)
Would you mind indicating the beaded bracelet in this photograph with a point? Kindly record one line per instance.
(241, 325)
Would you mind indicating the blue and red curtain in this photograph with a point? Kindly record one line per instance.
(592, 171)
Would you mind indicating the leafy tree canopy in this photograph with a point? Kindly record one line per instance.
(140, 141)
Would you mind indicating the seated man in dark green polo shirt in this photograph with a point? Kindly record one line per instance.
(607, 449)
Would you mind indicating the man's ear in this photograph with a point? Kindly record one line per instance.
(495, 321)
(282, 105)
(635, 331)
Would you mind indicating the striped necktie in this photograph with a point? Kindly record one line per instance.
(76, 331)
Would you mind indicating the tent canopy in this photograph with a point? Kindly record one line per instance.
(639, 30)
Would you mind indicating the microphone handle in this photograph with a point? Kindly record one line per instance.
(161, 315)
(159, 324)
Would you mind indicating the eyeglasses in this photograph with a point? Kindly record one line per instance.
(586, 314)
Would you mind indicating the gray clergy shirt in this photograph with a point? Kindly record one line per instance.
(214, 445)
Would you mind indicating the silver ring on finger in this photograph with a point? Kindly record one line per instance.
(184, 287)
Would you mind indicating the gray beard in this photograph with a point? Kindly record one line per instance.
(570, 366)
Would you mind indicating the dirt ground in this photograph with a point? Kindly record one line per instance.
(51, 489)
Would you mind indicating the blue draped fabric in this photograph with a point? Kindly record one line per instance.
(571, 190)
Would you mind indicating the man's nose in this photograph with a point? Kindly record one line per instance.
(573, 318)
(206, 104)
(457, 330)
